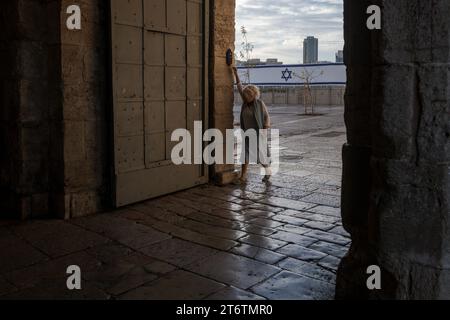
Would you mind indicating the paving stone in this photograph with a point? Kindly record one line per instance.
(119, 278)
(267, 223)
(229, 215)
(260, 254)
(258, 230)
(173, 206)
(287, 203)
(58, 238)
(233, 294)
(330, 190)
(15, 253)
(6, 287)
(256, 213)
(225, 233)
(129, 233)
(264, 207)
(308, 269)
(301, 253)
(293, 238)
(57, 290)
(290, 212)
(325, 210)
(328, 237)
(159, 267)
(159, 213)
(312, 216)
(290, 220)
(231, 206)
(293, 229)
(287, 193)
(188, 235)
(263, 242)
(291, 286)
(330, 263)
(340, 231)
(323, 226)
(233, 270)
(177, 285)
(323, 199)
(215, 221)
(51, 271)
(335, 250)
(178, 252)
(113, 253)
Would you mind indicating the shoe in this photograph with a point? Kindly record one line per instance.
(266, 178)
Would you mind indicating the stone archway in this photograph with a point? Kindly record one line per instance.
(396, 184)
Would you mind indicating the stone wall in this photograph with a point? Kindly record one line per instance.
(84, 65)
(9, 115)
(53, 120)
(55, 89)
(396, 164)
(28, 67)
(222, 31)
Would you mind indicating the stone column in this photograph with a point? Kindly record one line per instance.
(356, 181)
(222, 17)
(84, 72)
(409, 208)
(27, 70)
(396, 164)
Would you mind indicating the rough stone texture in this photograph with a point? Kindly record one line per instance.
(222, 33)
(401, 222)
(28, 57)
(84, 117)
(54, 122)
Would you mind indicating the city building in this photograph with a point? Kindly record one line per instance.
(310, 50)
(259, 62)
(340, 56)
(273, 61)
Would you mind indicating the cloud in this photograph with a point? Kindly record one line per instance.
(276, 28)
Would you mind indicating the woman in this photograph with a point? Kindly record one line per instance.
(254, 115)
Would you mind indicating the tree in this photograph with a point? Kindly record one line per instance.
(246, 52)
(308, 76)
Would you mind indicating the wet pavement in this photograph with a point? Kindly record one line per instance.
(277, 241)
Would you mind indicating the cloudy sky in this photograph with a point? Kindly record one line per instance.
(276, 28)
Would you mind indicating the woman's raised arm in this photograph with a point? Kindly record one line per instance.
(238, 82)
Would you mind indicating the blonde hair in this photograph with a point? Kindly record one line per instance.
(253, 89)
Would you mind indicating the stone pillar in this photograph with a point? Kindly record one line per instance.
(9, 112)
(84, 65)
(27, 70)
(396, 173)
(356, 181)
(409, 209)
(222, 32)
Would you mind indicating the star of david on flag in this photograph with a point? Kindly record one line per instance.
(287, 74)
